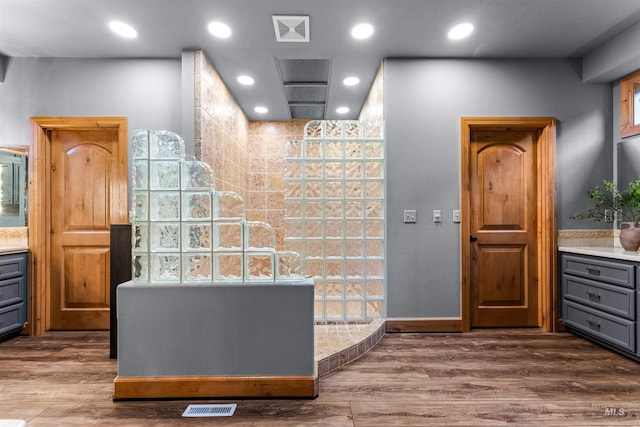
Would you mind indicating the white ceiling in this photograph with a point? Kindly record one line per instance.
(403, 28)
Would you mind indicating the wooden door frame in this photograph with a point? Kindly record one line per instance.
(546, 211)
(40, 204)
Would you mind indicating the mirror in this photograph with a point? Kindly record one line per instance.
(628, 161)
(13, 187)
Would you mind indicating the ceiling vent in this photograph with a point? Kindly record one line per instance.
(305, 83)
(291, 28)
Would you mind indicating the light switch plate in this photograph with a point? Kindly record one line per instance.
(410, 216)
(437, 215)
(456, 215)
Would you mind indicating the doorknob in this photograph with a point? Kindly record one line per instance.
(472, 238)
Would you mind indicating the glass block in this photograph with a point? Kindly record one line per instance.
(140, 268)
(289, 266)
(353, 150)
(196, 174)
(294, 150)
(375, 309)
(333, 209)
(333, 229)
(375, 288)
(374, 268)
(259, 235)
(354, 288)
(354, 309)
(334, 150)
(313, 149)
(373, 130)
(140, 237)
(140, 204)
(334, 288)
(228, 206)
(227, 236)
(334, 170)
(334, 248)
(228, 267)
(313, 229)
(335, 268)
(353, 209)
(313, 190)
(164, 174)
(374, 208)
(353, 170)
(313, 170)
(374, 189)
(314, 267)
(373, 169)
(140, 144)
(314, 248)
(334, 309)
(313, 209)
(294, 245)
(353, 189)
(374, 228)
(165, 268)
(333, 129)
(165, 206)
(355, 268)
(140, 175)
(318, 310)
(196, 237)
(354, 248)
(353, 229)
(294, 227)
(197, 268)
(318, 288)
(334, 189)
(374, 150)
(313, 129)
(165, 145)
(374, 248)
(164, 237)
(293, 209)
(293, 169)
(293, 189)
(353, 130)
(196, 206)
(259, 267)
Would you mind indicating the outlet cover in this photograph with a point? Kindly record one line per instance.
(410, 216)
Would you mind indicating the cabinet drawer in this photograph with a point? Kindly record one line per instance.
(612, 299)
(11, 319)
(614, 330)
(12, 266)
(600, 270)
(11, 291)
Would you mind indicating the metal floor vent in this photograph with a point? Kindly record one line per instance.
(225, 410)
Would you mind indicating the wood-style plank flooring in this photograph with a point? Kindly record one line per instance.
(483, 378)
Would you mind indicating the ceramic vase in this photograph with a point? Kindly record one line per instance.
(630, 236)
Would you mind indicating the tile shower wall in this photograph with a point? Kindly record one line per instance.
(373, 108)
(334, 202)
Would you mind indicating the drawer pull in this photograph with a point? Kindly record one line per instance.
(593, 325)
(592, 296)
(593, 270)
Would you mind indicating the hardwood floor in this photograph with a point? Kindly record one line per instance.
(486, 377)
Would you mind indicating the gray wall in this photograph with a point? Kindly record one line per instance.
(424, 101)
(147, 91)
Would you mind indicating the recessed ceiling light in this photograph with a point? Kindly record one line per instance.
(261, 110)
(245, 80)
(123, 29)
(342, 110)
(460, 31)
(351, 81)
(219, 29)
(362, 31)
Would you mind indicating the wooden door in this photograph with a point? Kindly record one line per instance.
(503, 223)
(85, 182)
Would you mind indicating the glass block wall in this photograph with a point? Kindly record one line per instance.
(186, 232)
(334, 201)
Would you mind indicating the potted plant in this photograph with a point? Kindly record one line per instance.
(624, 204)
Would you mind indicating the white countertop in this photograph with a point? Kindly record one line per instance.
(602, 251)
(12, 249)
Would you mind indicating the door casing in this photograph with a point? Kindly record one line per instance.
(40, 204)
(546, 212)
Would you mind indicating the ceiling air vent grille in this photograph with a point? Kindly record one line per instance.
(291, 28)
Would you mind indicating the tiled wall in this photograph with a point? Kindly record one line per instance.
(373, 108)
(588, 238)
(14, 236)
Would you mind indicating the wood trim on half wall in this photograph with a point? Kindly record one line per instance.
(444, 324)
(547, 228)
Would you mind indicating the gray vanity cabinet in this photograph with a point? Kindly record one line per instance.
(13, 293)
